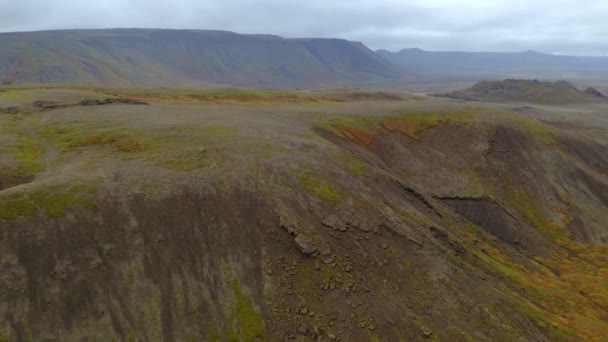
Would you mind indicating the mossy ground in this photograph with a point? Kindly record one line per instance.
(314, 184)
(26, 150)
(50, 201)
(73, 135)
(243, 320)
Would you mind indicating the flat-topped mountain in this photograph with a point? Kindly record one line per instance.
(534, 91)
(185, 57)
(497, 65)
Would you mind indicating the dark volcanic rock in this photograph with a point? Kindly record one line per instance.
(594, 92)
(107, 101)
(48, 104)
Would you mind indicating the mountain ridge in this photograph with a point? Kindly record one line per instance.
(479, 65)
(186, 57)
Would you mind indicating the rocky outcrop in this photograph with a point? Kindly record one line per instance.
(594, 92)
(112, 100)
(533, 91)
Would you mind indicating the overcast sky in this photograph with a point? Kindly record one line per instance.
(554, 26)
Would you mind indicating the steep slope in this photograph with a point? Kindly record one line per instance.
(185, 57)
(532, 91)
(426, 219)
(498, 64)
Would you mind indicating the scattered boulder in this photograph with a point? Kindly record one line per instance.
(345, 220)
(288, 226)
(306, 245)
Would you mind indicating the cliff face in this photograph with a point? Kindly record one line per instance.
(231, 222)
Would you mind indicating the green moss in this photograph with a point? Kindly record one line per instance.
(331, 123)
(70, 136)
(533, 127)
(221, 130)
(249, 320)
(320, 188)
(27, 151)
(212, 335)
(131, 337)
(399, 335)
(25, 325)
(505, 270)
(354, 165)
(458, 334)
(424, 328)
(16, 205)
(524, 204)
(186, 161)
(52, 201)
(463, 115)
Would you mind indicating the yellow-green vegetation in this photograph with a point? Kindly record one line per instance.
(458, 334)
(532, 126)
(186, 161)
(410, 122)
(210, 95)
(415, 123)
(566, 293)
(529, 210)
(334, 123)
(11, 94)
(51, 201)
(245, 322)
(315, 185)
(212, 335)
(354, 165)
(219, 130)
(26, 150)
(249, 95)
(72, 135)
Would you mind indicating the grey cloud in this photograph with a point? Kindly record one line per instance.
(559, 26)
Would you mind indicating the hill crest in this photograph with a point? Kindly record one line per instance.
(534, 91)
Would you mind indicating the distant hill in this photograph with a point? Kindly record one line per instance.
(478, 65)
(185, 57)
(533, 91)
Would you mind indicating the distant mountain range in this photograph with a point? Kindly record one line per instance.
(479, 65)
(186, 57)
(160, 57)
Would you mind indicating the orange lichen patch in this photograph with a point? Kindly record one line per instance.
(565, 292)
(355, 135)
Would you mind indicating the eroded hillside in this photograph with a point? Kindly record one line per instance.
(299, 216)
